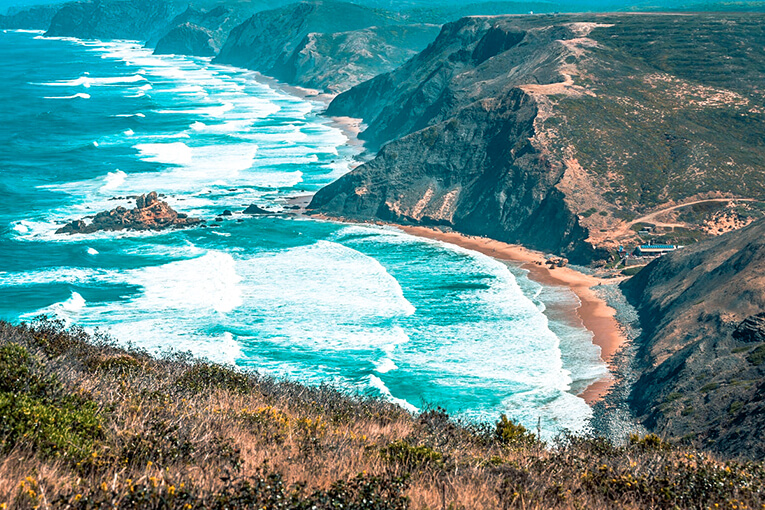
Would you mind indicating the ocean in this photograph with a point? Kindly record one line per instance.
(86, 124)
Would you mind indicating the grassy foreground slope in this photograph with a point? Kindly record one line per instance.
(88, 425)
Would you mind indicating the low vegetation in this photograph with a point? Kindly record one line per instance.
(86, 424)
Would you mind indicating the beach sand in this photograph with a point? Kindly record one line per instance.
(594, 312)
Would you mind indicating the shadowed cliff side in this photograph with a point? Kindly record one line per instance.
(703, 343)
(476, 173)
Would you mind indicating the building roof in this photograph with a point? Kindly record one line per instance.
(658, 247)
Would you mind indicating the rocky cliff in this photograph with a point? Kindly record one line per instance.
(267, 40)
(702, 352)
(113, 19)
(335, 62)
(624, 123)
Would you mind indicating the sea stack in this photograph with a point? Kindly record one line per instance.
(150, 213)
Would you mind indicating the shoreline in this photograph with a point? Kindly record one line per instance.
(593, 312)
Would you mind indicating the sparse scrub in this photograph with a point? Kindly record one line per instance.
(88, 425)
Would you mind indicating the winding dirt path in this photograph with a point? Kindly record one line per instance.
(651, 218)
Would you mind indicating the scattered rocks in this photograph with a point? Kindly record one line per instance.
(254, 209)
(227, 213)
(150, 213)
(554, 262)
(752, 329)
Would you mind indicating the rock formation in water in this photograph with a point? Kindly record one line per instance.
(702, 351)
(556, 132)
(150, 213)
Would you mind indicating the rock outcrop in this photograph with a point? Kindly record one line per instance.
(459, 132)
(150, 213)
(702, 309)
(752, 329)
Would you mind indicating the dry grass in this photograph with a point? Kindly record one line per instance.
(89, 425)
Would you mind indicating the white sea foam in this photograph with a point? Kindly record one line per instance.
(129, 132)
(385, 365)
(95, 143)
(113, 180)
(207, 283)
(378, 384)
(92, 251)
(80, 95)
(177, 153)
(87, 82)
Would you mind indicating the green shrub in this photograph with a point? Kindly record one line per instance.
(757, 356)
(632, 270)
(16, 366)
(69, 427)
(204, 376)
(513, 434)
(650, 442)
(411, 457)
(709, 387)
(118, 364)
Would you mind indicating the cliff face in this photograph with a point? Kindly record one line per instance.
(118, 19)
(703, 344)
(476, 172)
(267, 40)
(337, 62)
(625, 125)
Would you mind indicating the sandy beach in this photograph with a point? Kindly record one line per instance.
(594, 312)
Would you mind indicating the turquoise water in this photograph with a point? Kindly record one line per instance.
(84, 124)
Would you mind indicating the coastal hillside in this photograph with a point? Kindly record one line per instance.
(267, 40)
(89, 425)
(335, 62)
(116, 19)
(199, 32)
(330, 46)
(582, 123)
(702, 353)
(34, 18)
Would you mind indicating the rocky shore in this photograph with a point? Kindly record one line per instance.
(150, 213)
